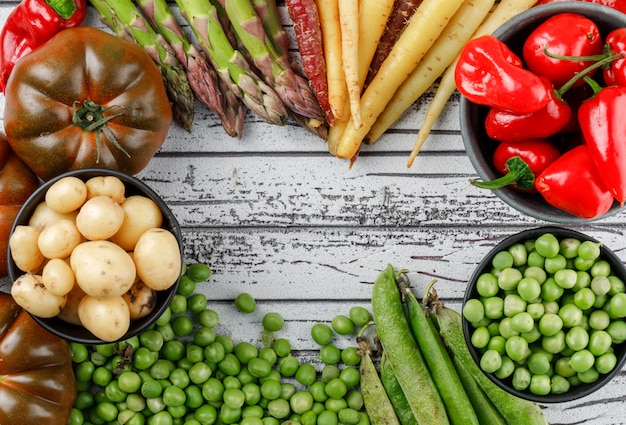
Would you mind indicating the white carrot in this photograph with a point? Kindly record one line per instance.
(421, 32)
(505, 10)
(443, 52)
(331, 37)
(373, 16)
(349, 21)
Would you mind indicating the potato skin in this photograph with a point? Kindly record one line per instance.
(102, 268)
(107, 318)
(158, 258)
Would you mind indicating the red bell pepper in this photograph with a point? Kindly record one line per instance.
(520, 162)
(572, 183)
(604, 132)
(489, 73)
(504, 125)
(31, 24)
(615, 43)
(563, 35)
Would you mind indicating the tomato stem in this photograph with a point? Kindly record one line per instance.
(91, 117)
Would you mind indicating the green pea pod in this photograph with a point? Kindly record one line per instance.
(514, 410)
(485, 410)
(379, 408)
(395, 394)
(458, 405)
(403, 354)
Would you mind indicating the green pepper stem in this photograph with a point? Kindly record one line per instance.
(584, 72)
(519, 174)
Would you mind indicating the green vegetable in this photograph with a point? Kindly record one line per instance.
(203, 19)
(458, 405)
(123, 17)
(395, 393)
(379, 407)
(402, 351)
(293, 90)
(516, 411)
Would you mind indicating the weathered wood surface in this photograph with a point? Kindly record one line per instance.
(275, 215)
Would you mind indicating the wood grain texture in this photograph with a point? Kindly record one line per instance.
(275, 215)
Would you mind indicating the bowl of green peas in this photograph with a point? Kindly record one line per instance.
(543, 314)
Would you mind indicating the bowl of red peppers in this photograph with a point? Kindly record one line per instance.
(541, 111)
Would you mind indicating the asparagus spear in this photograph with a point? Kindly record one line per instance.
(200, 73)
(257, 95)
(268, 12)
(123, 17)
(293, 89)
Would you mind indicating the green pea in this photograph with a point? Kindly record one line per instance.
(306, 374)
(245, 303)
(245, 351)
(213, 389)
(273, 322)
(360, 316)
(490, 361)
(547, 245)
(487, 285)
(279, 408)
(84, 371)
(203, 336)
(301, 401)
(350, 356)
(336, 388)
(182, 325)
(342, 325)
(199, 272)
(502, 260)
(208, 318)
(329, 354)
(282, 347)
(271, 389)
(521, 378)
(259, 367)
(186, 286)
(230, 364)
(351, 376)
(197, 303)
(288, 365)
(321, 333)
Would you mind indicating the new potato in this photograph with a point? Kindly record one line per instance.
(66, 195)
(31, 294)
(58, 277)
(140, 214)
(58, 239)
(157, 257)
(102, 268)
(108, 186)
(99, 218)
(107, 318)
(24, 249)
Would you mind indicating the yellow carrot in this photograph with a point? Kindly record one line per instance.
(443, 52)
(349, 22)
(421, 32)
(331, 37)
(373, 15)
(505, 10)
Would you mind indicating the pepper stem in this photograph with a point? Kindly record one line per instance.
(519, 174)
(584, 72)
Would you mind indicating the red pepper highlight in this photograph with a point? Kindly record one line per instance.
(489, 73)
(572, 183)
(31, 24)
(504, 125)
(603, 128)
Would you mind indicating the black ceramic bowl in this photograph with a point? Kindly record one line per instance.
(134, 186)
(577, 391)
(480, 148)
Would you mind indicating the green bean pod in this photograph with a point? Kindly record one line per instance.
(459, 408)
(395, 393)
(403, 354)
(377, 403)
(484, 408)
(515, 410)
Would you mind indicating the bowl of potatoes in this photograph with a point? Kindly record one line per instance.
(95, 256)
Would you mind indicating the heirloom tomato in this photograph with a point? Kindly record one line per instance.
(17, 182)
(37, 384)
(86, 98)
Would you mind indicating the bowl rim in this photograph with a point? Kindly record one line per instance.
(581, 390)
(80, 334)
(548, 212)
